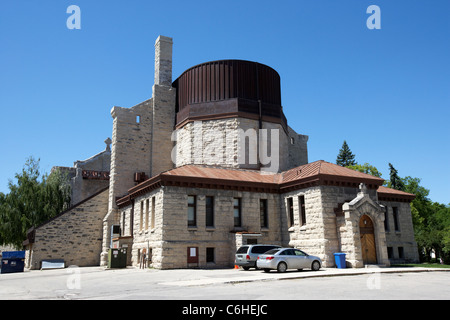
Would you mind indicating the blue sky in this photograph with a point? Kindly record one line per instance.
(386, 92)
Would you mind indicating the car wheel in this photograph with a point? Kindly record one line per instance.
(246, 268)
(315, 266)
(282, 267)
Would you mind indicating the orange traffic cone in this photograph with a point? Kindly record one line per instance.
(236, 266)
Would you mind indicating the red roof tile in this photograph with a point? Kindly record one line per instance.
(315, 173)
(223, 174)
(389, 193)
(323, 169)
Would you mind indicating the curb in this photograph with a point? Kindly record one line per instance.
(315, 274)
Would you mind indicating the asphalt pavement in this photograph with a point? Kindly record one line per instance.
(103, 283)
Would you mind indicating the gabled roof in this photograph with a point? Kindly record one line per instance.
(326, 173)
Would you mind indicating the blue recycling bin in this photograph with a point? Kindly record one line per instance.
(13, 261)
(339, 259)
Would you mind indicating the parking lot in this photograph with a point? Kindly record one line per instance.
(99, 283)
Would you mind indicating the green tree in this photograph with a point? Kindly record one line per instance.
(345, 157)
(31, 200)
(431, 221)
(366, 168)
(395, 181)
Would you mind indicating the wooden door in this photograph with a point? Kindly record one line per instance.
(368, 247)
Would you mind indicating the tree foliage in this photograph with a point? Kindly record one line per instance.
(395, 182)
(345, 157)
(31, 200)
(431, 220)
(366, 168)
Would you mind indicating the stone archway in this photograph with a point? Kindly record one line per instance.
(362, 233)
(367, 237)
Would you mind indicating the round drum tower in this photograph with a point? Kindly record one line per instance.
(229, 88)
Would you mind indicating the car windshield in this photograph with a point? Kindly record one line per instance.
(273, 251)
(242, 249)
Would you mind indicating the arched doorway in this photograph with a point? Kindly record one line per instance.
(366, 231)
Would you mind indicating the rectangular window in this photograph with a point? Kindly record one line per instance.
(123, 222)
(395, 214)
(147, 202)
(209, 211)
(132, 213)
(210, 255)
(237, 211)
(401, 253)
(152, 221)
(290, 207)
(386, 220)
(141, 216)
(301, 204)
(390, 252)
(263, 213)
(192, 211)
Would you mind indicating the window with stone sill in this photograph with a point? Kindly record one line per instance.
(396, 219)
(146, 213)
(290, 208)
(210, 255)
(301, 204)
(141, 216)
(386, 220)
(209, 204)
(192, 211)
(263, 217)
(237, 212)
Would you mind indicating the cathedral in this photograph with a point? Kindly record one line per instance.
(209, 163)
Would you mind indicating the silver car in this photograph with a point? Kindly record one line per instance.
(246, 255)
(282, 259)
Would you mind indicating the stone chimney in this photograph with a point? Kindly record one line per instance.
(163, 61)
(163, 108)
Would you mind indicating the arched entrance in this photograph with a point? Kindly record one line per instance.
(366, 231)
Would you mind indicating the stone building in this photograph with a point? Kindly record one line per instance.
(75, 235)
(209, 163)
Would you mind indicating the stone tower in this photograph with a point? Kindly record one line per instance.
(229, 115)
(141, 140)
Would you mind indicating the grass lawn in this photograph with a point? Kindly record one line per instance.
(423, 265)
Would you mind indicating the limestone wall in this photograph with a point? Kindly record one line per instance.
(147, 227)
(403, 236)
(171, 236)
(237, 142)
(212, 142)
(316, 235)
(298, 149)
(131, 146)
(177, 235)
(74, 236)
(84, 188)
